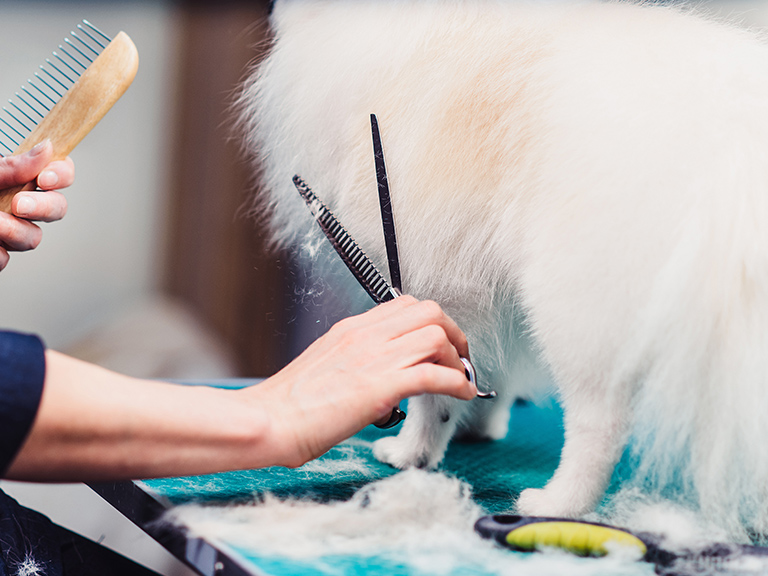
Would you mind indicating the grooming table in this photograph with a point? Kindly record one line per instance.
(496, 472)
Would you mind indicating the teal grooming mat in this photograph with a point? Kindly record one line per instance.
(494, 473)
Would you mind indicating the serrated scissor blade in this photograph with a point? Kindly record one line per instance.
(363, 269)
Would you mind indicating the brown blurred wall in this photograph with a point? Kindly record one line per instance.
(216, 259)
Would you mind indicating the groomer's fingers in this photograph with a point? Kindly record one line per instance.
(380, 312)
(434, 379)
(426, 313)
(15, 170)
(403, 315)
(427, 344)
(4, 257)
(452, 330)
(42, 206)
(58, 174)
(428, 378)
(17, 234)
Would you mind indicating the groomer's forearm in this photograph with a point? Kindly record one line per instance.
(94, 424)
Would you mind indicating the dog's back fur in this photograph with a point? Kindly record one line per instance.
(599, 170)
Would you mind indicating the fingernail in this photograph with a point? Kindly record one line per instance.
(47, 179)
(38, 148)
(25, 206)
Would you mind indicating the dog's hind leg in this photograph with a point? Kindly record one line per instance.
(595, 436)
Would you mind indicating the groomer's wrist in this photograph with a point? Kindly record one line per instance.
(274, 439)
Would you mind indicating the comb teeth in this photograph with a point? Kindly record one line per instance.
(33, 101)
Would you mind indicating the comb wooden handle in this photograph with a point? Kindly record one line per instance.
(82, 106)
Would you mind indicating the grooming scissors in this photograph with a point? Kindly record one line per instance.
(361, 266)
(390, 237)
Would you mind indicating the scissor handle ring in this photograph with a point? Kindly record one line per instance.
(469, 370)
(395, 418)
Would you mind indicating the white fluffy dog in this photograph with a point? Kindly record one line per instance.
(588, 181)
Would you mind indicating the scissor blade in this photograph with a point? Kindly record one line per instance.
(385, 201)
(362, 268)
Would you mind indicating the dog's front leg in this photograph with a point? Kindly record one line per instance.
(422, 442)
(595, 436)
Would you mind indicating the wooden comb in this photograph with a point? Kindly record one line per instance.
(71, 92)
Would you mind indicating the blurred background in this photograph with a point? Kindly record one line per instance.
(157, 271)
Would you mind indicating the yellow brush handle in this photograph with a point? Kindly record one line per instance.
(82, 106)
(582, 538)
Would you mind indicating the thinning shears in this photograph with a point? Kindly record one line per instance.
(361, 266)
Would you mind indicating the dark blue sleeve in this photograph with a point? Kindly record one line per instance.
(22, 373)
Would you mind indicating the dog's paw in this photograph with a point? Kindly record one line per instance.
(401, 454)
(546, 502)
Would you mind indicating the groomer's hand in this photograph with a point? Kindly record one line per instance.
(17, 231)
(93, 424)
(357, 372)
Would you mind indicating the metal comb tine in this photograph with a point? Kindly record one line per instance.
(52, 77)
(12, 115)
(46, 83)
(74, 59)
(99, 32)
(60, 71)
(91, 36)
(85, 45)
(50, 83)
(45, 94)
(32, 108)
(9, 138)
(4, 145)
(4, 121)
(42, 104)
(27, 116)
(83, 54)
(67, 64)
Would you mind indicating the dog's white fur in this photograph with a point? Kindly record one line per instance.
(587, 180)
